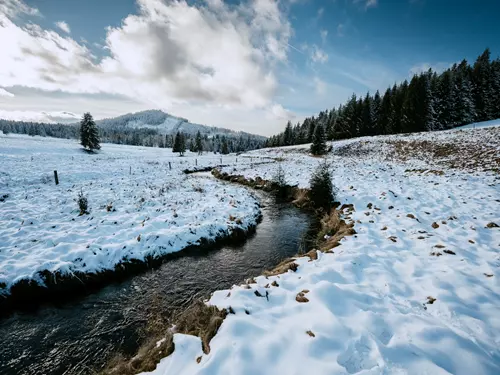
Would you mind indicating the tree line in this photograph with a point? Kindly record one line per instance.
(148, 137)
(430, 101)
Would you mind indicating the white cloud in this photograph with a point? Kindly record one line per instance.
(64, 27)
(14, 8)
(318, 55)
(367, 3)
(212, 55)
(324, 35)
(6, 93)
(320, 12)
(45, 117)
(424, 67)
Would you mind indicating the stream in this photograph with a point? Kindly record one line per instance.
(78, 337)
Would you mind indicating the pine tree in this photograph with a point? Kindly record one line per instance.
(482, 79)
(385, 123)
(179, 144)
(377, 103)
(322, 192)
(318, 146)
(89, 135)
(428, 114)
(224, 146)
(368, 116)
(199, 143)
(288, 135)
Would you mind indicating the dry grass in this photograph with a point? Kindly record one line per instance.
(335, 229)
(301, 198)
(283, 267)
(198, 320)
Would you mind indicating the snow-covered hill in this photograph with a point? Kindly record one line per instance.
(166, 124)
(415, 291)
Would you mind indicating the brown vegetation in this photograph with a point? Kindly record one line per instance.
(199, 320)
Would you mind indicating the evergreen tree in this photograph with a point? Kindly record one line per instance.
(322, 192)
(224, 146)
(199, 144)
(482, 78)
(288, 135)
(377, 103)
(179, 144)
(89, 135)
(385, 123)
(368, 116)
(318, 146)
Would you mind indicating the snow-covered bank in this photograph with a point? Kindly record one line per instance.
(416, 291)
(139, 207)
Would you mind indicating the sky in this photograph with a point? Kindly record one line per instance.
(251, 65)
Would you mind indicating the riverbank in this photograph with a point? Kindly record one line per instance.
(141, 207)
(203, 320)
(414, 291)
(80, 335)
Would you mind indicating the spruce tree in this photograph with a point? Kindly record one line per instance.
(482, 78)
(322, 192)
(288, 135)
(89, 135)
(368, 116)
(224, 146)
(179, 144)
(318, 146)
(199, 143)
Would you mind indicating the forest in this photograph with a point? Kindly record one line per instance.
(431, 101)
(142, 136)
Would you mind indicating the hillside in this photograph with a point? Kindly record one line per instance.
(165, 123)
(151, 128)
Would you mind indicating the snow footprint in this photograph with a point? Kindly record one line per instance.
(360, 355)
(380, 329)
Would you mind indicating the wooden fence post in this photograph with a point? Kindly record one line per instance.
(196, 162)
(130, 170)
(170, 165)
(56, 178)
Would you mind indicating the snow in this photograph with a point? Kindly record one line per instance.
(153, 211)
(368, 309)
(483, 124)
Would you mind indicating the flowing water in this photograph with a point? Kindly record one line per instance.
(78, 337)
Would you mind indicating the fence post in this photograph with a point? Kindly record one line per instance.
(221, 161)
(130, 170)
(56, 178)
(170, 165)
(196, 162)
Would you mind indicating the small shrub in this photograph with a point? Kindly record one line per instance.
(83, 203)
(279, 181)
(322, 193)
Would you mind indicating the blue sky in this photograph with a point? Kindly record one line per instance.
(249, 65)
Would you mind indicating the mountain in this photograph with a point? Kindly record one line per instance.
(151, 128)
(165, 123)
(59, 117)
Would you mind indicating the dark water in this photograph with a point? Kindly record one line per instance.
(80, 336)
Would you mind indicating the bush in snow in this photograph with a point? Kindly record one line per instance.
(322, 193)
(279, 181)
(83, 203)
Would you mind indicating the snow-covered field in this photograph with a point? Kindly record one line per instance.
(138, 206)
(416, 291)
